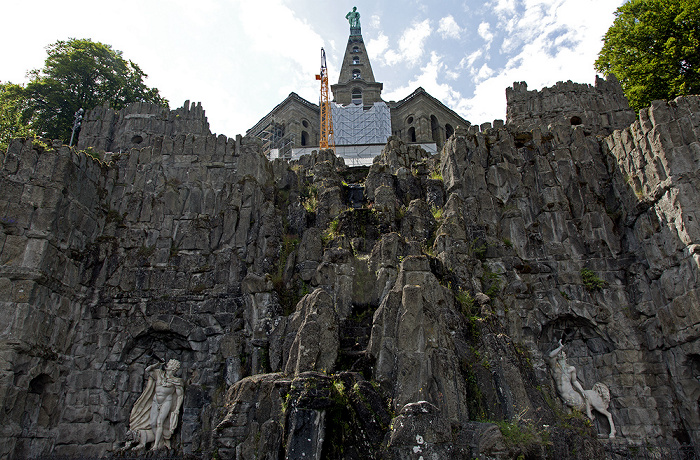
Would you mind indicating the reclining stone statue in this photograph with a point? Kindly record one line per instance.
(573, 393)
(154, 416)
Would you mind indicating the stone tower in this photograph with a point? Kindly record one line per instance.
(356, 82)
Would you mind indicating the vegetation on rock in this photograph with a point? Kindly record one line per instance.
(591, 280)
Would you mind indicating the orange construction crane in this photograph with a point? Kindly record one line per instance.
(327, 139)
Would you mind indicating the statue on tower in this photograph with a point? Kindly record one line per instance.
(353, 18)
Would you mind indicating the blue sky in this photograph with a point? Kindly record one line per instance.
(240, 58)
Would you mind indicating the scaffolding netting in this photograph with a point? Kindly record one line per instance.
(353, 125)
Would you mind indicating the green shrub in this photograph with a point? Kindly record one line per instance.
(591, 280)
(466, 301)
(331, 232)
(493, 281)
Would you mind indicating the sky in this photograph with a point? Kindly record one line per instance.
(240, 58)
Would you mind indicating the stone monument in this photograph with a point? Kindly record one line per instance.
(572, 392)
(154, 416)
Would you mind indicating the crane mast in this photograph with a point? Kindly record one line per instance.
(327, 140)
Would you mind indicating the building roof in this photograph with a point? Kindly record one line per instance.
(293, 97)
(422, 92)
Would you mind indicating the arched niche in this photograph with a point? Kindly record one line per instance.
(435, 129)
(412, 134)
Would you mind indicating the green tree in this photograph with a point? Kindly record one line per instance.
(653, 48)
(12, 109)
(80, 73)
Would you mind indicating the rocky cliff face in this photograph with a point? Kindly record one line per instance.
(322, 311)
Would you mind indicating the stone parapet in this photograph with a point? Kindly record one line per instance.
(601, 108)
(139, 125)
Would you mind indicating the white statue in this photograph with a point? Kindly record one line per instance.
(154, 416)
(573, 393)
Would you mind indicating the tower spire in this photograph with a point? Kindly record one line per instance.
(356, 84)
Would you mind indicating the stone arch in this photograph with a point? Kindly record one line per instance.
(356, 74)
(576, 120)
(355, 60)
(412, 134)
(449, 131)
(42, 406)
(39, 383)
(304, 138)
(570, 327)
(168, 335)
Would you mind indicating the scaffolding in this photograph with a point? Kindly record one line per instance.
(275, 143)
(353, 125)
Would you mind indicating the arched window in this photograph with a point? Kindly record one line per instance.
(449, 131)
(355, 60)
(356, 74)
(412, 134)
(357, 96)
(435, 129)
(355, 49)
(304, 138)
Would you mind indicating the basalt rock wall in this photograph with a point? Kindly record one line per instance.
(657, 184)
(311, 324)
(105, 265)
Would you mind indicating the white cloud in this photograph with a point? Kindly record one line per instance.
(469, 60)
(377, 46)
(428, 80)
(413, 40)
(293, 71)
(503, 6)
(411, 45)
(485, 33)
(375, 21)
(483, 73)
(280, 23)
(451, 74)
(448, 27)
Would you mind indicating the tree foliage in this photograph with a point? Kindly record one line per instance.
(80, 73)
(12, 108)
(653, 48)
